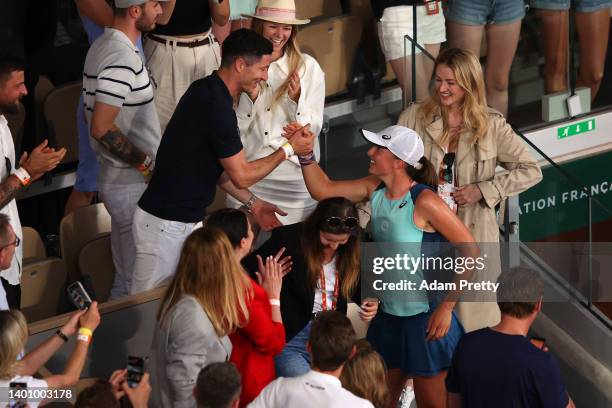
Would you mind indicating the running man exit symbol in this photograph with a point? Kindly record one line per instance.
(575, 129)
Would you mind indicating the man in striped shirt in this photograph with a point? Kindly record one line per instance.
(123, 124)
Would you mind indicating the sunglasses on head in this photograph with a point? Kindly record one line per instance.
(448, 160)
(345, 224)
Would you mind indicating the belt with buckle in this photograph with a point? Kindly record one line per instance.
(190, 44)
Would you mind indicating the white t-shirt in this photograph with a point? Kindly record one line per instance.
(31, 383)
(313, 389)
(330, 280)
(7, 151)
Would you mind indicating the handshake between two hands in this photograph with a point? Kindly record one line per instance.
(301, 138)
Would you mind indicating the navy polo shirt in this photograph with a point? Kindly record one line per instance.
(493, 369)
(202, 130)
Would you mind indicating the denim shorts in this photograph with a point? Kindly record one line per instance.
(582, 6)
(482, 12)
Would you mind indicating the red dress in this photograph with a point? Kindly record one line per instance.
(255, 345)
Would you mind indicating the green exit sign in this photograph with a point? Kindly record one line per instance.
(576, 129)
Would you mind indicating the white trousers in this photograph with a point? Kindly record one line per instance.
(174, 68)
(120, 201)
(158, 249)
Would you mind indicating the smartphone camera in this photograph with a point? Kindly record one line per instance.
(135, 370)
(78, 295)
(18, 392)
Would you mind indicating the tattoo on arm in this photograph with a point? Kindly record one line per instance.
(8, 190)
(120, 146)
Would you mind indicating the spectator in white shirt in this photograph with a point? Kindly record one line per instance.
(331, 343)
(14, 175)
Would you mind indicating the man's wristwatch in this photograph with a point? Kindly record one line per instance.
(249, 204)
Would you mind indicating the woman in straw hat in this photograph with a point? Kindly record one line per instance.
(294, 92)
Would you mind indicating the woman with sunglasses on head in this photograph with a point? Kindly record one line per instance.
(324, 275)
(293, 92)
(416, 337)
(465, 141)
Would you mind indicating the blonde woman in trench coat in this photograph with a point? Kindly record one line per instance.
(456, 119)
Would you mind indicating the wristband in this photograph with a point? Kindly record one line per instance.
(23, 176)
(146, 163)
(249, 204)
(275, 302)
(288, 150)
(84, 338)
(62, 335)
(85, 331)
(307, 159)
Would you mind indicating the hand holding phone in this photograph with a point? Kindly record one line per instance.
(78, 295)
(135, 370)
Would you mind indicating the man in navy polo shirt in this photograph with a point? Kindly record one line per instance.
(498, 366)
(202, 141)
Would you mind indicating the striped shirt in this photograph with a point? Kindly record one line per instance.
(114, 74)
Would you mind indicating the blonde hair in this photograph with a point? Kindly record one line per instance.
(209, 271)
(365, 375)
(294, 56)
(468, 74)
(13, 337)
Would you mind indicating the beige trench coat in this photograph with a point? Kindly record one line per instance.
(475, 163)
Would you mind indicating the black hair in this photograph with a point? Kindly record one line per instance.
(331, 340)
(218, 384)
(9, 63)
(231, 221)
(246, 44)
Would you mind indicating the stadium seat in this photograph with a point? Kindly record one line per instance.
(44, 87)
(42, 288)
(33, 247)
(60, 114)
(317, 8)
(96, 263)
(332, 42)
(78, 229)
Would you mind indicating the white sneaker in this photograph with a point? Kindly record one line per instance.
(407, 399)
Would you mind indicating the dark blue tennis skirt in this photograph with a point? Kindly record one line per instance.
(401, 341)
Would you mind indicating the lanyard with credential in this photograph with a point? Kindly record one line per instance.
(324, 291)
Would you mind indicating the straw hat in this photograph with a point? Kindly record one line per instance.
(277, 11)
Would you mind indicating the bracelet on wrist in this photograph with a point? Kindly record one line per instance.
(23, 176)
(275, 302)
(145, 166)
(84, 338)
(307, 159)
(249, 203)
(85, 331)
(61, 335)
(288, 149)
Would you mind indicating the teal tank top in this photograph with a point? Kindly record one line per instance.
(392, 221)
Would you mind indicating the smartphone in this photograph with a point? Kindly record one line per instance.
(539, 342)
(135, 370)
(78, 295)
(18, 395)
